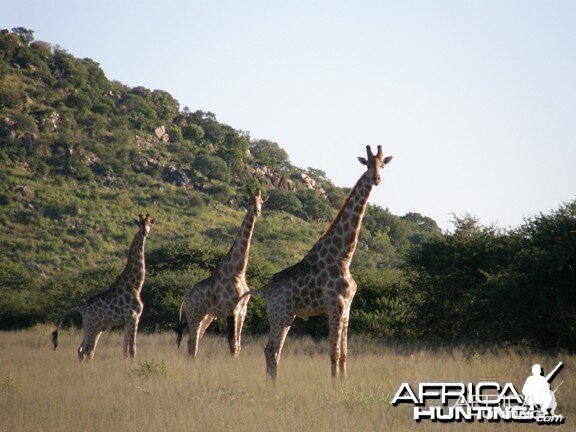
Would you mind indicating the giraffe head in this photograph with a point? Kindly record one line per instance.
(256, 201)
(375, 163)
(145, 223)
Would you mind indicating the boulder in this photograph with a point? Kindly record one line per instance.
(311, 184)
(25, 191)
(172, 174)
(92, 160)
(52, 120)
(277, 181)
(159, 132)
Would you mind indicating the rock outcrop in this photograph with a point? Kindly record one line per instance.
(172, 174)
(275, 180)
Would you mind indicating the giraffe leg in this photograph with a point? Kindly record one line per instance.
(344, 348)
(235, 323)
(86, 350)
(125, 342)
(335, 330)
(194, 336)
(231, 334)
(82, 348)
(273, 350)
(204, 325)
(130, 331)
(239, 324)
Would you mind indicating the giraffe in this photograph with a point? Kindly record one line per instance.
(217, 296)
(321, 282)
(118, 305)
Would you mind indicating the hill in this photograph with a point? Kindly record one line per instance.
(81, 155)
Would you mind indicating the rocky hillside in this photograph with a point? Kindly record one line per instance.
(80, 155)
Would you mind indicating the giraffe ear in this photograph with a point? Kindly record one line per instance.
(387, 159)
(265, 199)
(152, 221)
(363, 160)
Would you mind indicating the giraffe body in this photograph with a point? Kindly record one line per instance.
(217, 296)
(119, 305)
(322, 283)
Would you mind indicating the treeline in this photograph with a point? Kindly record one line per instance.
(484, 285)
(476, 285)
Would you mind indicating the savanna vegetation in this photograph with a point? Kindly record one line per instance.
(80, 155)
(163, 390)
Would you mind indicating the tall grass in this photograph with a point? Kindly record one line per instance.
(163, 390)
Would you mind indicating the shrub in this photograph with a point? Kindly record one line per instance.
(315, 207)
(212, 167)
(151, 368)
(175, 133)
(284, 200)
(221, 192)
(193, 132)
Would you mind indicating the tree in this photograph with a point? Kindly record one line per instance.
(193, 132)
(317, 174)
(43, 48)
(212, 167)
(233, 148)
(534, 298)
(25, 34)
(269, 153)
(314, 206)
(450, 277)
(167, 107)
(284, 200)
(175, 133)
(79, 101)
(425, 223)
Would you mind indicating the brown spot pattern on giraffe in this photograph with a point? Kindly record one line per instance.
(321, 282)
(120, 304)
(217, 296)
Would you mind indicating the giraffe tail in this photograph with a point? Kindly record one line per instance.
(54, 335)
(261, 292)
(247, 293)
(54, 338)
(180, 327)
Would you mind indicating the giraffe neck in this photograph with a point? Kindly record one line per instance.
(237, 257)
(341, 238)
(134, 271)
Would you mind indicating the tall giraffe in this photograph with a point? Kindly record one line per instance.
(321, 283)
(118, 305)
(217, 296)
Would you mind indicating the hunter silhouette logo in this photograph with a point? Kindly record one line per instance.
(537, 392)
(485, 400)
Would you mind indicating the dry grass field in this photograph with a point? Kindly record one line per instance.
(43, 390)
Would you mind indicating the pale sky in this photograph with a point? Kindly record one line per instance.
(476, 100)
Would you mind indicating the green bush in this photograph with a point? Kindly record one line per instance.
(221, 192)
(213, 167)
(284, 200)
(193, 132)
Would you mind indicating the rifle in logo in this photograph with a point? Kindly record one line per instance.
(552, 374)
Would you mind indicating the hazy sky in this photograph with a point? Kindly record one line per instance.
(476, 100)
